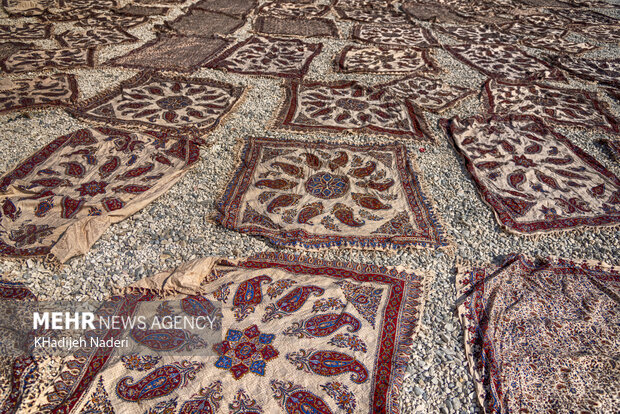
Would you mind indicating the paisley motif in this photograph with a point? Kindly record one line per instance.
(291, 302)
(109, 166)
(197, 306)
(370, 202)
(340, 161)
(383, 186)
(70, 207)
(161, 382)
(248, 296)
(310, 211)
(136, 172)
(295, 400)
(277, 184)
(545, 179)
(73, 169)
(345, 215)
(166, 339)
(312, 161)
(284, 200)
(205, 402)
(324, 325)
(516, 179)
(329, 363)
(362, 172)
(289, 169)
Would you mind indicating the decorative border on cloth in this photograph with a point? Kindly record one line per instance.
(228, 208)
(428, 60)
(426, 33)
(503, 218)
(168, 24)
(286, 112)
(80, 110)
(469, 279)
(302, 72)
(259, 26)
(205, 5)
(73, 98)
(115, 62)
(555, 73)
(91, 61)
(600, 106)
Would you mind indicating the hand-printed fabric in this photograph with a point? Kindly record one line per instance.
(137, 10)
(25, 31)
(434, 12)
(605, 71)
(523, 30)
(535, 179)
(432, 95)
(504, 62)
(194, 23)
(478, 34)
(586, 17)
(542, 336)
(109, 18)
(168, 103)
(376, 15)
(613, 146)
(394, 35)
(560, 45)
(316, 27)
(62, 59)
(62, 198)
(95, 37)
(572, 107)
(269, 56)
(382, 59)
(550, 20)
(342, 106)
(9, 48)
(27, 8)
(39, 92)
(609, 34)
(278, 9)
(280, 353)
(172, 52)
(318, 195)
(232, 7)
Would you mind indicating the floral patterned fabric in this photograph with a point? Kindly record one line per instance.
(572, 107)
(284, 343)
(318, 195)
(95, 37)
(430, 94)
(26, 31)
(39, 92)
(504, 62)
(173, 104)
(542, 336)
(62, 59)
(340, 106)
(394, 35)
(355, 59)
(269, 56)
(280, 9)
(605, 71)
(535, 179)
(62, 198)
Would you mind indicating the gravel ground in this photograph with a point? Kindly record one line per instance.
(177, 227)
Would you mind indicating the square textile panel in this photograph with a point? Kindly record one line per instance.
(394, 35)
(32, 60)
(316, 27)
(39, 92)
(385, 60)
(95, 37)
(268, 56)
(542, 335)
(349, 106)
(535, 179)
(315, 195)
(168, 103)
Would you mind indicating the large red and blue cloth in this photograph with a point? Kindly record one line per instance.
(298, 334)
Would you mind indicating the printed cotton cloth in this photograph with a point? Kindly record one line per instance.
(298, 334)
(542, 336)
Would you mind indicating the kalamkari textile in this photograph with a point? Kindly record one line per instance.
(604, 71)
(385, 60)
(535, 179)
(298, 335)
(349, 106)
(61, 199)
(613, 146)
(542, 335)
(62, 59)
(315, 195)
(36, 93)
(173, 104)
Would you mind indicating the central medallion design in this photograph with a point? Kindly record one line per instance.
(352, 104)
(327, 186)
(172, 103)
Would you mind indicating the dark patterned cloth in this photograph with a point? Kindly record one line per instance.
(172, 104)
(534, 179)
(394, 35)
(277, 9)
(542, 335)
(62, 59)
(8, 48)
(268, 56)
(25, 31)
(316, 27)
(348, 106)
(172, 52)
(314, 195)
(605, 71)
(193, 24)
(382, 59)
(95, 37)
(238, 8)
(39, 92)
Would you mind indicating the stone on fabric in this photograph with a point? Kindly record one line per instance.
(430, 94)
(315, 195)
(39, 92)
(384, 60)
(95, 37)
(352, 360)
(504, 62)
(572, 107)
(348, 106)
(170, 103)
(551, 321)
(62, 59)
(25, 31)
(394, 35)
(61, 199)
(268, 56)
(203, 23)
(172, 52)
(534, 179)
(605, 71)
(316, 27)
